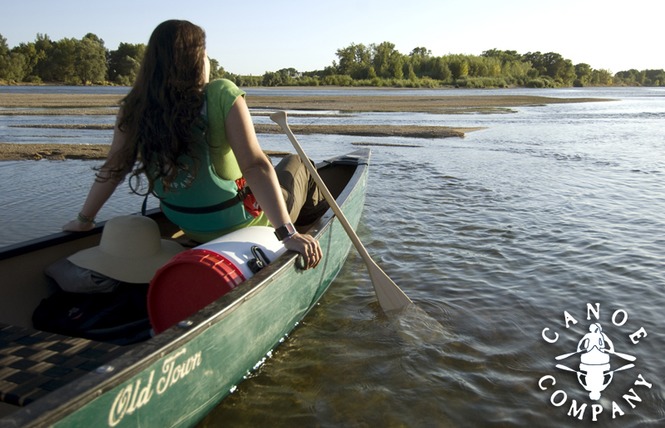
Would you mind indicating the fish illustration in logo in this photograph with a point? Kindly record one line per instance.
(595, 373)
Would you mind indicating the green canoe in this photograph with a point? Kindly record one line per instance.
(176, 377)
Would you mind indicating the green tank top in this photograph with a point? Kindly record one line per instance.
(208, 204)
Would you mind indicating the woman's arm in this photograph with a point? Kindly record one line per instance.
(262, 179)
(100, 191)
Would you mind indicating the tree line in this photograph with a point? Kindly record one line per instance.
(73, 62)
(87, 61)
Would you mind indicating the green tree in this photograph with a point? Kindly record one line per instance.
(517, 71)
(4, 48)
(216, 70)
(270, 78)
(514, 68)
(354, 61)
(59, 64)
(494, 67)
(560, 69)
(552, 65)
(124, 63)
(14, 65)
(440, 70)
(283, 77)
(630, 77)
(397, 65)
(458, 65)
(387, 61)
(634, 77)
(481, 66)
(410, 73)
(32, 57)
(43, 47)
(72, 61)
(601, 77)
(90, 60)
(4, 57)
(583, 74)
(420, 60)
(371, 73)
(655, 77)
(537, 62)
(504, 56)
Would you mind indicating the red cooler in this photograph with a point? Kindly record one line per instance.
(197, 277)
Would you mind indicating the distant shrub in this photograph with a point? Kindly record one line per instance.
(482, 82)
(338, 80)
(309, 81)
(540, 83)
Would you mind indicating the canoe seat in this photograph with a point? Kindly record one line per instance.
(34, 363)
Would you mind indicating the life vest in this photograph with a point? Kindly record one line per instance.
(200, 200)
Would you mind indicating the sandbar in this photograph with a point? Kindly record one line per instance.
(107, 104)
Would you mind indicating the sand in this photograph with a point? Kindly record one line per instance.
(88, 104)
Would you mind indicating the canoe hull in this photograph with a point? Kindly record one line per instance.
(179, 376)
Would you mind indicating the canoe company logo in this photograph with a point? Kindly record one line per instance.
(594, 363)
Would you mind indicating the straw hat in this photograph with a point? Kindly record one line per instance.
(131, 250)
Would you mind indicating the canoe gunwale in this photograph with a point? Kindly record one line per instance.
(141, 356)
(57, 238)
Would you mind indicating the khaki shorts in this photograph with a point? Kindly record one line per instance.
(303, 199)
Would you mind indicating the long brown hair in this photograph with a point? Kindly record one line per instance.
(159, 114)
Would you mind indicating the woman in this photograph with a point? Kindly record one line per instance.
(195, 142)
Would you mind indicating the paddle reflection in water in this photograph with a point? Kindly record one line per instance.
(417, 328)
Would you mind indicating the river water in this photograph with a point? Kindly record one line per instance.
(513, 242)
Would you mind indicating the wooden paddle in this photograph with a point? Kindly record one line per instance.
(390, 296)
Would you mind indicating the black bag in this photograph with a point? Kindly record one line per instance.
(119, 317)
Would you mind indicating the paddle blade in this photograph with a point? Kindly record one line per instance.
(389, 295)
(622, 355)
(568, 369)
(564, 356)
(626, 367)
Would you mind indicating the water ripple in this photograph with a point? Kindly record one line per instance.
(494, 237)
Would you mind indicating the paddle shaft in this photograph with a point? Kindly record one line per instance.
(626, 367)
(618, 354)
(390, 296)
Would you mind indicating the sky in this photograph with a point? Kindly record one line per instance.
(252, 37)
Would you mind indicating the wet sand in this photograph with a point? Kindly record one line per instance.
(94, 104)
(9, 151)
(88, 104)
